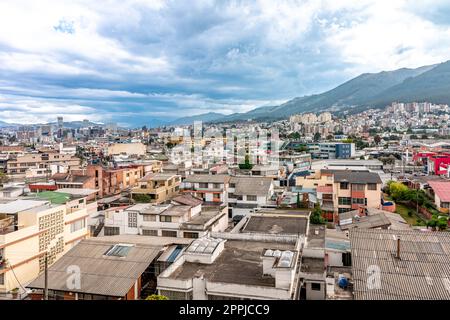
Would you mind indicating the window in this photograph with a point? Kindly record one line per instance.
(216, 185)
(343, 185)
(251, 198)
(165, 218)
(168, 233)
(190, 235)
(153, 233)
(315, 286)
(232, 185)
(2, 279)
(372, 186)
(149, 217)
(77, 225)
(203, 185)
(132, 220)
(112, 231)
(358, 187)
(342, 210)
(345, 201)
(359, 201)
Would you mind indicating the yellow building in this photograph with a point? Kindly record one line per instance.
(135, 148)
(159, 187)
(34, 227)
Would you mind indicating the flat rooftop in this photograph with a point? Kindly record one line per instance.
(240, 263)
(276, 225)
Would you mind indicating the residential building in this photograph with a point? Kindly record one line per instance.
(158, 187)
(184, 217)
(441, 192)
(211, 188)
(111, 268)
(38, 164)
(35, 227)
(419, 259)
(246, 194)
(259, 259)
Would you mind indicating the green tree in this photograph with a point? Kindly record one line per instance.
(246, 165)
(317, 136)
(142, 198)
(156, 297)
(299, 204)
(316, 215)
(3, 178)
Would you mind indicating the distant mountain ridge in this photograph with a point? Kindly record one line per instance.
(204, 117)
(368, 90)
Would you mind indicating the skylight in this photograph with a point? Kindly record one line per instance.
(118, 250)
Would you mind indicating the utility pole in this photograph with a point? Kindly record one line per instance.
(46, 277)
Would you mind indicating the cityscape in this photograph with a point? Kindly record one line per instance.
(338, 192)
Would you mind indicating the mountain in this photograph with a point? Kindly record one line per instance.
(428, 83)
(205, 117)
(6, 124)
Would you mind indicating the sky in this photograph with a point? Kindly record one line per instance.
(140, 62)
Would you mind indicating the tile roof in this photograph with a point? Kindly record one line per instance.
(442, 189)
(421, 273)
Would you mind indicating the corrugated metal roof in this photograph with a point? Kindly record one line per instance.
(422, 272)
(100, 274)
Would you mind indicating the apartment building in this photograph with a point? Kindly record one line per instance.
(111, 181)
(158, 187)
(211, 188)
(184, 217)
(355, 189)
(32, 165)
(33, 227)
(340, 191)
(332, 150)
(245, 194)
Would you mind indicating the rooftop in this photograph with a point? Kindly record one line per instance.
(441, 189)
(101, 274)
(207, 178)
(258, 186)
(354, 176)
(276, 225)
(421, 272)
(20, 205)
(240, 263)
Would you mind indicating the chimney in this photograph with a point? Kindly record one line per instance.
(398, 247)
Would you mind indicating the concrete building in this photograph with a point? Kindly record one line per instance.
(259, 259)
(212, 188)
(184, 218)
(246, 194)
(38, 164)
(135, 148)
(49, 224)
(159, 187)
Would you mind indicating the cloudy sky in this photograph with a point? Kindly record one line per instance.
(142, 62)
